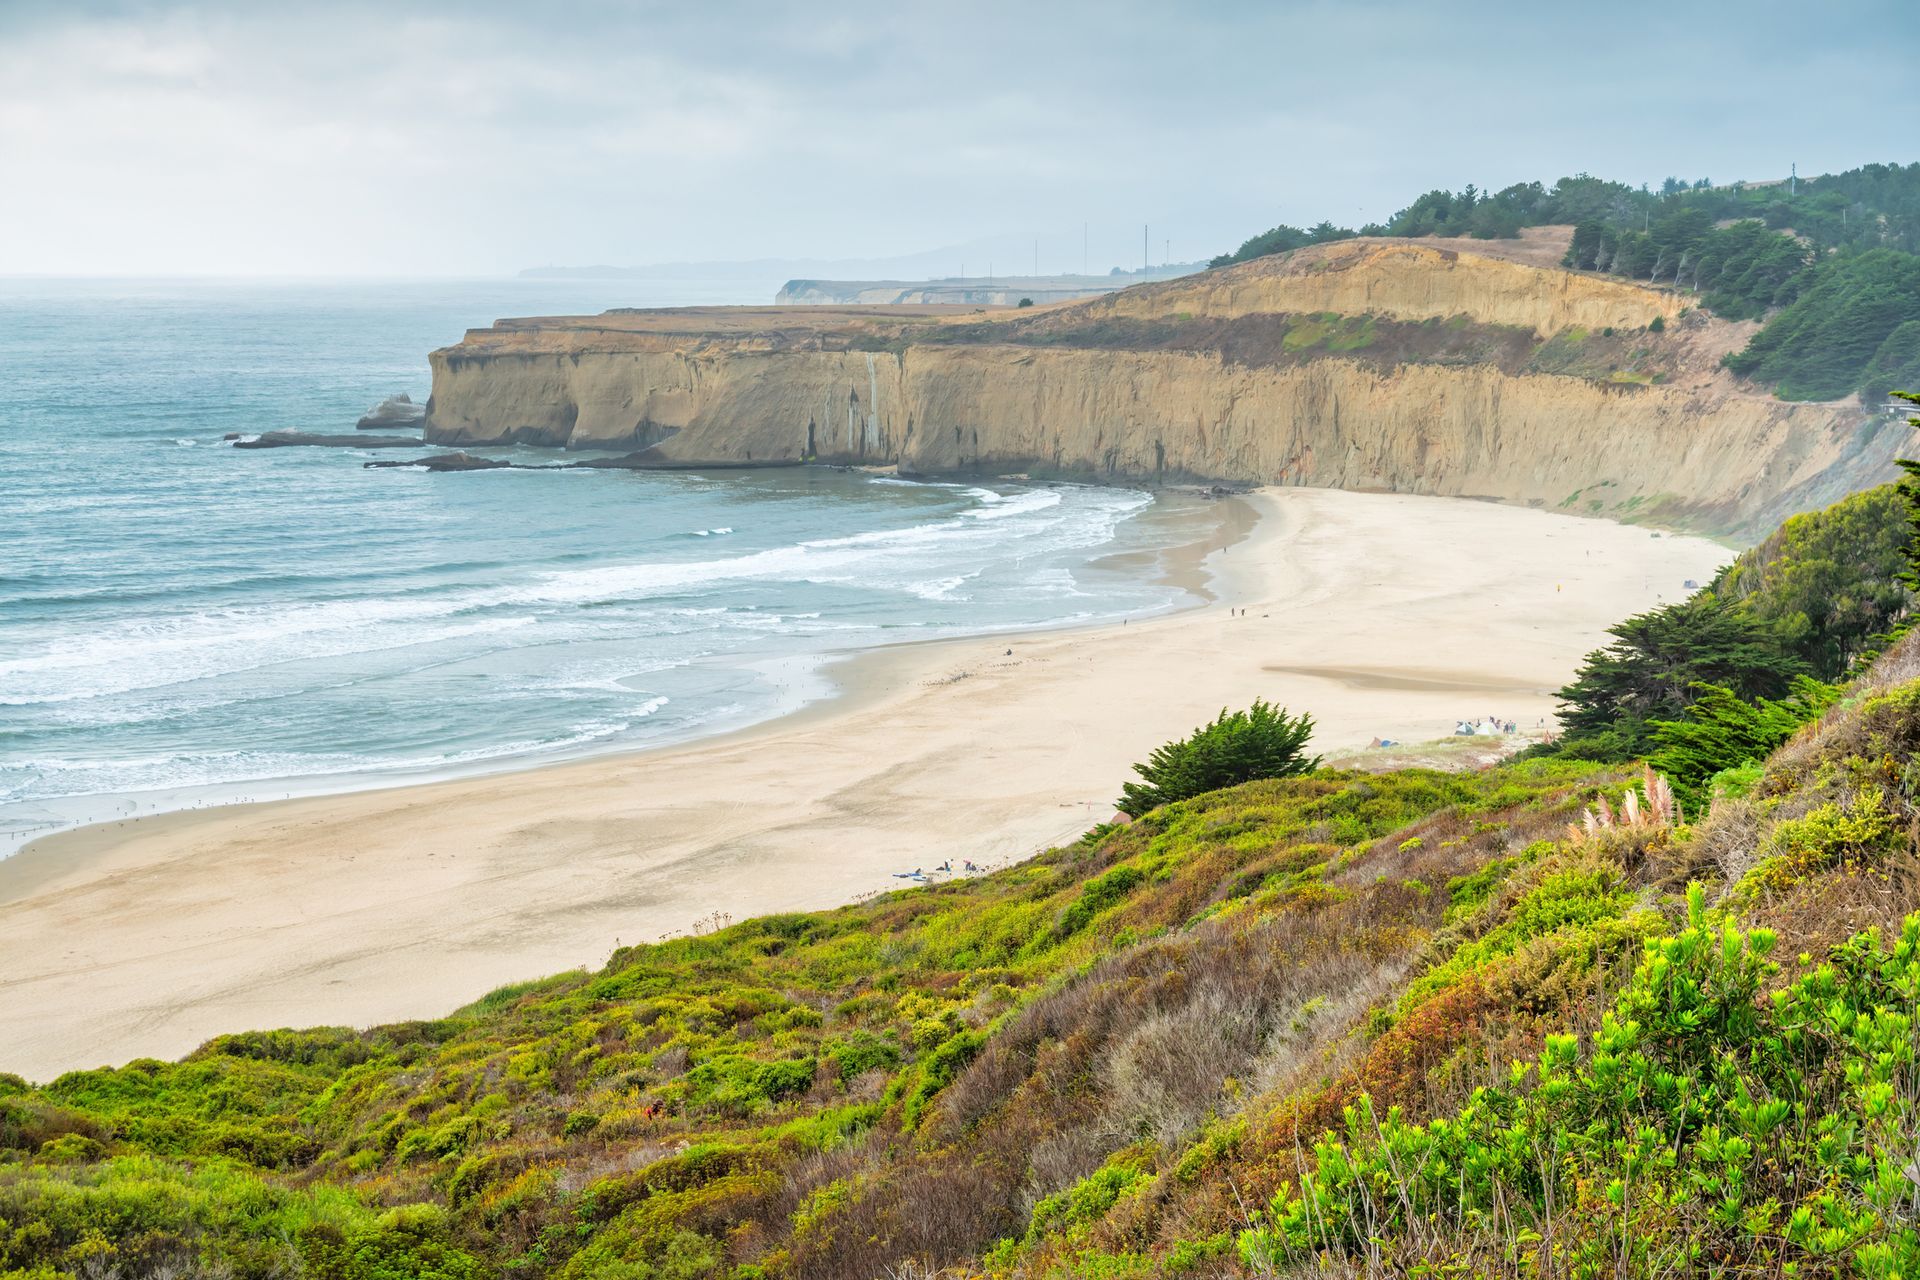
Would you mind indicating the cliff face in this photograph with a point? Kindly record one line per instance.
(1340, 366)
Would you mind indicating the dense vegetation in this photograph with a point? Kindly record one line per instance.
(1837, 257)
(1853, 323)
(1396, 1023)
(1825, 589)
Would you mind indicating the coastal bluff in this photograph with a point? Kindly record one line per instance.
(1378, 365)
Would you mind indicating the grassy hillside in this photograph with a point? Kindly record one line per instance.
(1410, 1022)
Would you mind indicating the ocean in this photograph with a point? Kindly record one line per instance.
(183, 623)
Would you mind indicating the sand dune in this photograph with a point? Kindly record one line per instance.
(1382, 615)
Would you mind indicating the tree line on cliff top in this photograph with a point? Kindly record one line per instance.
(1829, 262)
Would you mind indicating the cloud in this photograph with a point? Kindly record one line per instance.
(477, 138)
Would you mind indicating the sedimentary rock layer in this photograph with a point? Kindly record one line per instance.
(1368, 365)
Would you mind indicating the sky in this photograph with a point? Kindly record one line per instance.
(477, 138)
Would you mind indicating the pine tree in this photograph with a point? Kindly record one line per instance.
(1241, 746)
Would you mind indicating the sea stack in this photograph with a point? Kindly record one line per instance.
(397, 411)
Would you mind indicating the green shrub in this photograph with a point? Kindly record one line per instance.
(1087, 1199)
(1823, 839)
(1720, 732)
(1190, 1255)
(1735, 783)
(1100, 893)
(937, 1071)
(1704, 1130)
(777, 1080)
(404, 1244)
(1241, 746)
(862, 1052)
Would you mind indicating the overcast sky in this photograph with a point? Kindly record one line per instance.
(477, 138)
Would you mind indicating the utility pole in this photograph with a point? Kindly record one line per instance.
(1166, 259)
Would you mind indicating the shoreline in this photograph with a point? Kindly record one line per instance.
(813, 669)
(846, 680)
(372, 905)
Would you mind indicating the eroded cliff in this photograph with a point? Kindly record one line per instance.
(1388, 365)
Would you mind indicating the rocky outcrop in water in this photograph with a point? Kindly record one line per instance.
(1377, 365)
(290, 439)
(459, 460)
(395, 412)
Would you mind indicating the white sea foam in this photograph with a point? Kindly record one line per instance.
(205, 768)
(1018, 505)
(169, 649)
(615, 642)
(941, 588)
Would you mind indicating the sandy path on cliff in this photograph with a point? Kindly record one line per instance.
(1382, 615)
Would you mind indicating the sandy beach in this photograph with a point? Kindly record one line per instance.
(1382, 615)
